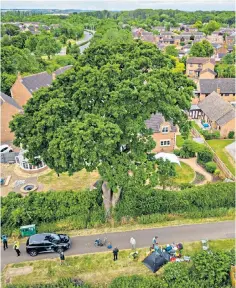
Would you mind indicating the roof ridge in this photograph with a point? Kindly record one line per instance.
(35, 74)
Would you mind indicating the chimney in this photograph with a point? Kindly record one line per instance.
(218, 90)
(53, 76)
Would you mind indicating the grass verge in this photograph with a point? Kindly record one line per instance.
(185, 174)
(99, 269)
(218, 145)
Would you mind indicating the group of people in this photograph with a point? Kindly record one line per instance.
(16, 245)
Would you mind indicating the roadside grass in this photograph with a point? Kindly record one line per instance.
(99, 269)
(218, 145)
(78, 181)
(185, 174)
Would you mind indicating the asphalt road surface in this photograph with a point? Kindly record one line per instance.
(85, 244)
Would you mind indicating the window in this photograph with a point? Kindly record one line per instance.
(190, 72)
(165, 129)
(165, 142)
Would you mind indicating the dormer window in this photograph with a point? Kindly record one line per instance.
(165, 129)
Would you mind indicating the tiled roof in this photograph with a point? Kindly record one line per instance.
(9, 100)
(36, 81)
(216, 109)
(226, 85)
(200, 60)
(155, 122)
(208, 70)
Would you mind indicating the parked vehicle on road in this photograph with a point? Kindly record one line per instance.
(47, 242)
(5, 149)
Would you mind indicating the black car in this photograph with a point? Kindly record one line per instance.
(47, 242)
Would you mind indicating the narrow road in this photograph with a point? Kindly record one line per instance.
(85, 244)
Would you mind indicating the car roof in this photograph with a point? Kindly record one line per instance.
(39, 237)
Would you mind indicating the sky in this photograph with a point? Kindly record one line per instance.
(187, 5)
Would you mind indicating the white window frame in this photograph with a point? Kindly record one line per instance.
(165, 145)
(165, 132)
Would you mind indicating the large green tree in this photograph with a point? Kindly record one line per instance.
(93, 116)
(47, 45)
(171, 50)
(202, 49)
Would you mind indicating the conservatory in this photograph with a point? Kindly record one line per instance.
(25, 165)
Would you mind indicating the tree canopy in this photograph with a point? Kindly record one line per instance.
(171, 50)
(202, 49)
(93, 116)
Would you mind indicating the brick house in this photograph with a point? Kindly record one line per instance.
(230, 40)
(218, 113)
(223, 86)
(9, 108)
(164, 133)
(195, 65)
(23, 88)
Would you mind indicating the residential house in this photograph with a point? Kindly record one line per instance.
(190, 28)
(219, 114)
(223, 86)
(196, 65)
(164, 133)
(148, 37)
(9, 108)
(159, 28)
(215, 38)
(23, 88)
(167, 34)
(230, 40)
(207, 74)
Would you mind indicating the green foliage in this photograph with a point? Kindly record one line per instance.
(204, 156)
(85, 207)
(137, 281)
(229, 58)
(47, 45)
(7, 80)
(231, 134)
(210, 135)
(73, 50)
(211, 27)
(225, 70)
(199, 199)
(211, 269)
(68, 30)
(9, 29)
(198, 24)
(166, 170)
(189, 149)
(210, 167)
(202, 49)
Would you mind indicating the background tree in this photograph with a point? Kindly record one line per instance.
(171, 50)
(47, 45)
(7, 80)
(211, 27)
(198, 24)
(73, 50)
(202, 49)
(10, 29)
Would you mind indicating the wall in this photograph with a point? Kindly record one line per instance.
(157, 137)
(19, 92)
(207, 75)
(193, 67)
(7, 111)
(225, 129)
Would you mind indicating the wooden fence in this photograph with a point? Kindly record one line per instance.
(220, 164)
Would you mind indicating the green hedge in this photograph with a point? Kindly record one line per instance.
(196, 200)
(137, 281)
(84, 208)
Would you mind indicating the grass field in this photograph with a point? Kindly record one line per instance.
(100, 269)
(218, 145)
(185, 174)
(78, 181)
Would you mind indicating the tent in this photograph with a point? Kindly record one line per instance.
(168, 156)
(155, 261)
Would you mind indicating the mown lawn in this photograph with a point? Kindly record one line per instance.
(218, 145)
(185, 174)
(78, 181)
(100, 269)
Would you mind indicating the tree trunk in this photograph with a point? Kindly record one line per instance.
(110, 198)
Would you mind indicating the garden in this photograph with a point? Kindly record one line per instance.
(99, 270)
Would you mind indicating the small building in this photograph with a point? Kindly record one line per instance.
(9, 108)
(164, 133)
(207, 74)
(195, 65)
(225, 87)
(23, 88)
(27, 166)
(219, 114)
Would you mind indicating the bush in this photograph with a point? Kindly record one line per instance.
(210, 167)
(137, 281)
(204, 156)
(177, 152)
(140, 203)
(189, 149)
(217, 172)
(231, 135)
(208, 136)
(74, 210)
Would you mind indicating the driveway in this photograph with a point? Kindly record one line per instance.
(84, 244)
(231, 149)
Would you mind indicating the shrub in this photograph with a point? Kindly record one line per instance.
(204, 156)
(189, 149)
(231, 135)
(138, 203)
(177, 152)
(217, 172)
(210, 167)
(208, 135)
(137, 281)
